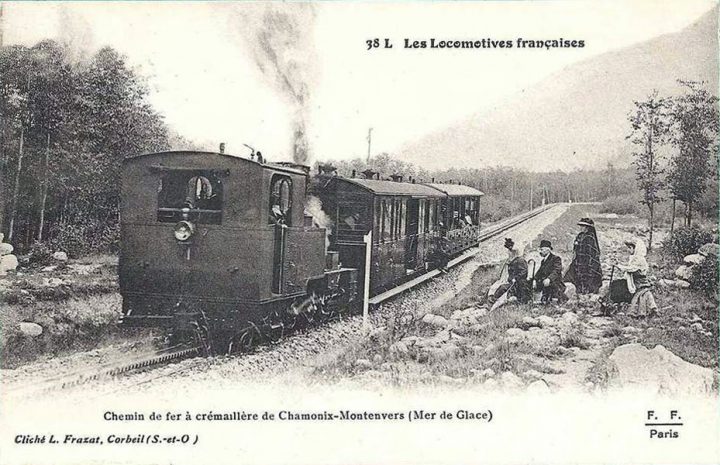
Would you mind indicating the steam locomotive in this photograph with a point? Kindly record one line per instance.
(228, 250)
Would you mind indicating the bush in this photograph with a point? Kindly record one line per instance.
(40, 254)
(628, 204)
(687, 240)
(705, 277)
(82, 239)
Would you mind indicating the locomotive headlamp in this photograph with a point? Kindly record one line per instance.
(184, 231)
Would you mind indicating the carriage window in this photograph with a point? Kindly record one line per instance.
(387, 221)
(280, 200)
(190, 194)
(352, 217)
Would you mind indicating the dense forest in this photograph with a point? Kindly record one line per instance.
(66, 124)
(64, 128)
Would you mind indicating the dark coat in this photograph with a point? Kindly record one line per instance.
(517, 274)
(585, 270)
(551, 268)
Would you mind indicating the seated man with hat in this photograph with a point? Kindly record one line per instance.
(516, 284)
(548, 277)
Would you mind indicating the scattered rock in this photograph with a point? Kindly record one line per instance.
(666, 283)
(693, 259)
(399, 348)
(487, 373)
(545, 321)
(630, 329)
(490, 384)
(515, 332)
(659, 370)
(60, 256)
(377, 358)
(510, 380)
(50, 268)
(539, 386)
(709, 249)
(30, 329)
(363, 363)
(6, 249)
(681, 284)
(570, 291)
(435, 320)
(570, 317)
(696, 326)
(683, 272)
(533, 374)
(8, 263)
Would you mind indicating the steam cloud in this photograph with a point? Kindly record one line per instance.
(313, 207)
(280, 37)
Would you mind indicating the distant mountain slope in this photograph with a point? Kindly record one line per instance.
(581, 109)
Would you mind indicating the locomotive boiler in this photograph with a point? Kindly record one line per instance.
(220, 248)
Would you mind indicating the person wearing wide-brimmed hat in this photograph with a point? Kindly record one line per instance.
(548, 277)
(585, 270)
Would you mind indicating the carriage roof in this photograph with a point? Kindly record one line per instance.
(456, 190)
(378, 187)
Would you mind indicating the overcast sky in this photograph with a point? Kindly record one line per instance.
(206, 81)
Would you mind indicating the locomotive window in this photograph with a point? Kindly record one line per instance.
(190, 194)
(280, 200)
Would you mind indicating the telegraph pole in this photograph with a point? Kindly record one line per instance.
(369, 139)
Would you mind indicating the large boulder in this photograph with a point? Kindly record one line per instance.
(8, 263)
(570, 291)
(30, 329)
(684, 272)
(5, 249)
(709, 249)
(657, 370)
(693, 259)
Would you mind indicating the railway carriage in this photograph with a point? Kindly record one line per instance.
(402, 216)
(459, 214)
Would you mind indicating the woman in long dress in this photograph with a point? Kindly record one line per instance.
(585, 270)
(638, 285)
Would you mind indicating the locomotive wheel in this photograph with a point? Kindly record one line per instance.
(273, 327)
(249, 338)
(202, 338)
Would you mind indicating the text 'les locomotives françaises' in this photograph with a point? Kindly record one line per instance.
(475, 44)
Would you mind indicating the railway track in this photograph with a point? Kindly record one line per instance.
(108, 370)
(183, 351)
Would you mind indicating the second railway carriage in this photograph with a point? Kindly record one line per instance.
(459, 216)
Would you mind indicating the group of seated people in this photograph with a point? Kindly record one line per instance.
(632, 289)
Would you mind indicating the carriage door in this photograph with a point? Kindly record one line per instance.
(279, 217)
(411, 234)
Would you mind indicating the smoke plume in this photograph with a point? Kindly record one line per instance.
(280, 37)
(313, 207)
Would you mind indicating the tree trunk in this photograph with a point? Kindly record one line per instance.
(652, 214)
(16, 186)
(689, 214)
(672, 220)
(43, 200)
